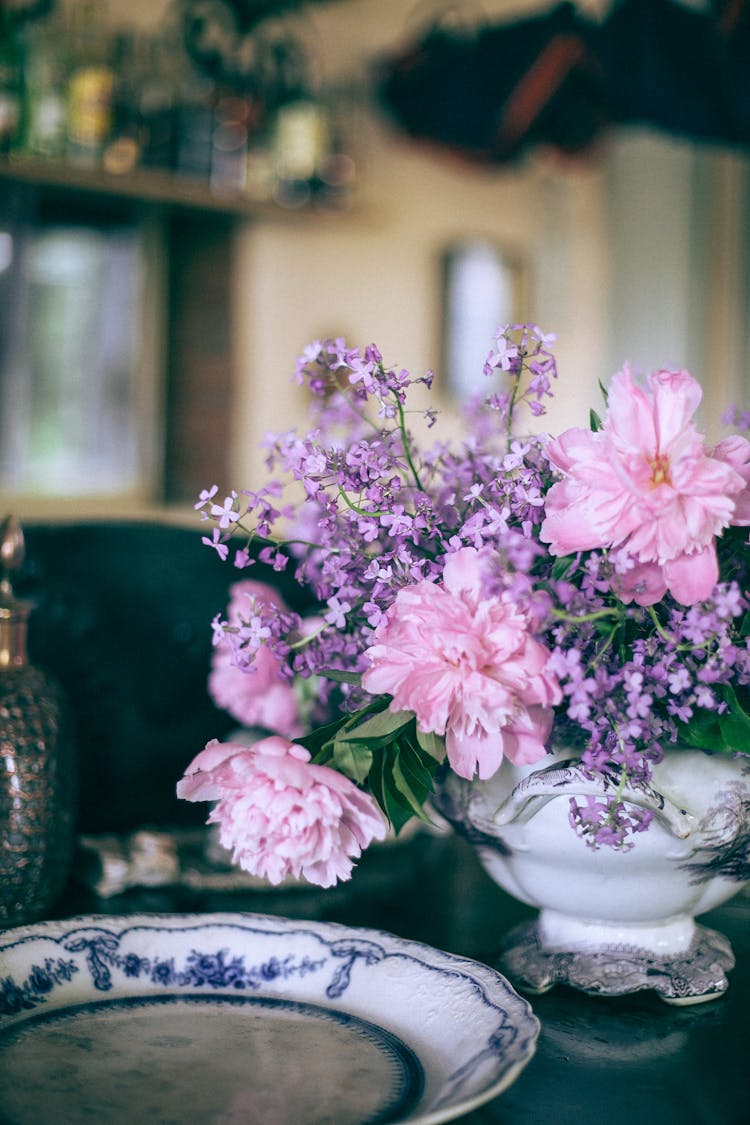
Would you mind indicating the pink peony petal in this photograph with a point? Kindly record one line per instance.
(676, 397)
(692, 578)
(644, 584)
(260, 696)
(735, 451)
(198, 783)
(472, 755)
(240, 594)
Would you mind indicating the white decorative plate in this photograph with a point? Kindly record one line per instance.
(243, 1018)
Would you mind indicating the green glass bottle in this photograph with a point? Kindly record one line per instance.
(46, 74)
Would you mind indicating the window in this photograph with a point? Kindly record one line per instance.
(78, 370)
(482, 291)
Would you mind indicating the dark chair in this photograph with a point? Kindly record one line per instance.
(122, 618)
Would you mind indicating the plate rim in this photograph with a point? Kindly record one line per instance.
(487, 977)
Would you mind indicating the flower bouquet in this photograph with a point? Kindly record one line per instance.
(474, 600)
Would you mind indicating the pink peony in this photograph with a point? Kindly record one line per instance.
(260, 695)
(735, 451)
(281, 816)
(647, 484)
(243, 594)
(468, 668)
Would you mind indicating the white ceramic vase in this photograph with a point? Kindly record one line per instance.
(614, 921)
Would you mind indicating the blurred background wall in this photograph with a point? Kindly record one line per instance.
(634, 248)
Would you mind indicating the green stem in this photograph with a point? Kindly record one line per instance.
(306, 543)
(363, 416)
(511, 408)
(272, 541)
(621, 786)
(607, 643)
(295, 646)
(596, 615)
(355, 508)
(405, 442)
(658, 626)
(617, 799)
(707, 644)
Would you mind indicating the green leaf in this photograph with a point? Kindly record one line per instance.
(340, 677)
(404, 780)
(418, 770)
(735, 734)
(342, 742)
(382, 790)
(595, 422)
(418, 759)
(432, 744)
(320, 741)
(376, 783)
(562, 567)
(377, 730)
(735, 723)
(605, 392)
(738, 699)
(726, 733)
(701, 731)
(419, 767)
(405, 790)
(353, 760)
(745, 627)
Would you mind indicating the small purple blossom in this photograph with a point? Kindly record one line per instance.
(216, 541)
(605, 822)
(205, 496)
(337, 612)
(225, 514)
(737, 417)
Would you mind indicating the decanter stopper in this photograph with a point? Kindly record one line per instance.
(38, 773)
(14, 611)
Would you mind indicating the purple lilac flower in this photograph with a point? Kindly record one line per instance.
(376, 512)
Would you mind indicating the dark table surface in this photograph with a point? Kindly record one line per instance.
(122, 619)
(631, 1060)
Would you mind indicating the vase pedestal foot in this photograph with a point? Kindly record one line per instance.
(602, 967)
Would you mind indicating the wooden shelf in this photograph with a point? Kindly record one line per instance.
(147, 186)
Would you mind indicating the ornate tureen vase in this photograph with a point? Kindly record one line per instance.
(613, 921)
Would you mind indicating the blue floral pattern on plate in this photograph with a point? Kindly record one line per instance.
(467, 1029)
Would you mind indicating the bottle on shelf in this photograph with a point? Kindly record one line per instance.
(158, 94)
(300, 129)
(45, 114)
(11, 82)
(260, 163)
(194, 123)
(300, 146)
(122, 150)
(336, 172)
(233, 120)
(90, 86)
(76, 89)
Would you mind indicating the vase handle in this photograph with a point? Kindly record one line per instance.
(568, 779)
